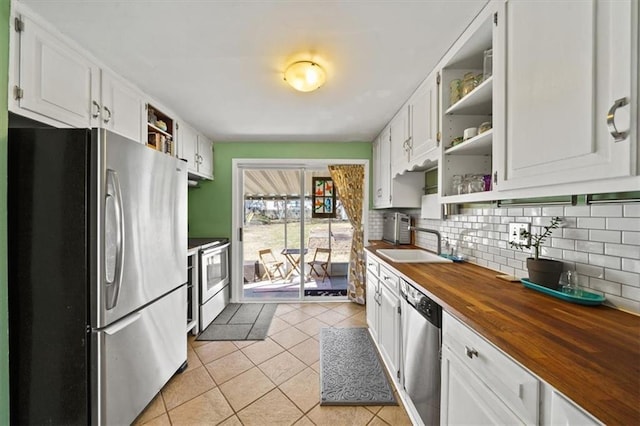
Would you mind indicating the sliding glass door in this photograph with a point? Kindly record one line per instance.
(290, 249)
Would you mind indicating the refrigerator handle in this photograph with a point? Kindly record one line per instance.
(114, 201)
(123, 323)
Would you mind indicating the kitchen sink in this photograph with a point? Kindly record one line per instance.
(412, 256)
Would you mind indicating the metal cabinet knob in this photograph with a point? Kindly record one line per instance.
(611, 120)
(96, 113)
(471, 352)
(108, 117)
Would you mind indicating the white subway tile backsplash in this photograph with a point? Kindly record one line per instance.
(531, 211)
(493, 265)
(591, 222)
(575, 256)
(551, 252)
(623, 223)
(630, 305)
(601, 242)
(631, 210)
(553, 211)
(590, 247)
(576, 234)
(606, 210)
(590, 270)
(577, 211)
(622, 250)
(628, 278)
(604, 286)
(629, 237)
(631, 265)
(605, 236)
(517, 264)
(563, 243)
(631, 292)
(606, 261)
(515, 211)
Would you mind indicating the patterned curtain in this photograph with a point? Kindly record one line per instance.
(349, 182)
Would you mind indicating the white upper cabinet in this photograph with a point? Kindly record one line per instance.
(414, 130)
(399, 141)
(205, 151)
(472, 99)
(382, 169)
(401, 191)
(122, 107)
(562, 83)
(187, 138)
(197, 149)
(52, 79)
(423, 124)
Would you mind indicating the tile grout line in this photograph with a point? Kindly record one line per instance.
(290, 326)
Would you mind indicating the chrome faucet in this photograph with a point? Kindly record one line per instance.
(431, 231)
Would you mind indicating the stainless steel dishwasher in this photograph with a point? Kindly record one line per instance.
(421, 351)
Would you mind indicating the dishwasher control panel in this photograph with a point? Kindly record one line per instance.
(423, 304)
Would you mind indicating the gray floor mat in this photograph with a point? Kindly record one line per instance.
(351, 372)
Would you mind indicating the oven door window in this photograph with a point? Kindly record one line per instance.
(215, 272)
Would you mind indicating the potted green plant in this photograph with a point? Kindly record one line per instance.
(545, 272)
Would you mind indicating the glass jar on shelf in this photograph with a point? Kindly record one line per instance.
(456, 184)
(487, 68)
(455, 91)
(468, 83)
(475, 183)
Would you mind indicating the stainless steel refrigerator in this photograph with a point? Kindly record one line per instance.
(97, 273)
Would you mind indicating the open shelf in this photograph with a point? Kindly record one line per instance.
(158, 138)
(477, 102)
(478, 145)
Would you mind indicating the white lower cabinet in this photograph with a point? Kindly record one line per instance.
(389, 328)
(557, 409)
(480, 384)
(383, 313)
(465, 399)
(372, 304)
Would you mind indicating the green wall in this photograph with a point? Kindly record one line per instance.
(4, 320)
(210, 205)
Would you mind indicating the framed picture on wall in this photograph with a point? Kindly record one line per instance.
(323, 198)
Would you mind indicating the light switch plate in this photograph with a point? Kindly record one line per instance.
(515, 233)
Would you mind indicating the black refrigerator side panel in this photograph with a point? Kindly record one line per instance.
(48, 274)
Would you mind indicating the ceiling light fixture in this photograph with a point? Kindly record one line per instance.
(305, 76)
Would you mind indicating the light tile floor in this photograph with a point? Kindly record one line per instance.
(270, 382)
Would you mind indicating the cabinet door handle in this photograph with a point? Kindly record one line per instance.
(96, 112)
(611, 120)
(471, 352)
(108, 117)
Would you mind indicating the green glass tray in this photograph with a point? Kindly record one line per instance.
(586, 298)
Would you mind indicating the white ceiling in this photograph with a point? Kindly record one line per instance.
(219, 64)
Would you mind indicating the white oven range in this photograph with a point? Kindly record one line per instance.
(213, 278)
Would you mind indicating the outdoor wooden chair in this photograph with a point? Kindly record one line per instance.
(322, 259)
(272, 266)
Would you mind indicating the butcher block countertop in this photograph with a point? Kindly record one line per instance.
(589, 353)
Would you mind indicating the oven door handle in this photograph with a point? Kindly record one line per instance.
(214, 250)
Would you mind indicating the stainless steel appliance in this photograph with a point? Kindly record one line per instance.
(395, 228)
(97, 273)
(214, 280)
(421, 351)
